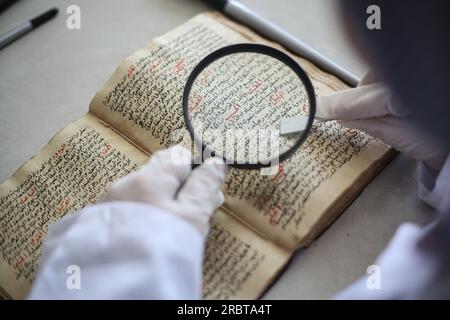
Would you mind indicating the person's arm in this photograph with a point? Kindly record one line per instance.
(434, 185)
(122, 250)
(144, 241)
(414, 265)
(372, 108)
(416, 261)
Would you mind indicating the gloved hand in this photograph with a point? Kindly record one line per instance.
(371, 108)
(168, 181)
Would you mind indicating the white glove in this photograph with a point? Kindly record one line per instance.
(169, 182)
(371, 108)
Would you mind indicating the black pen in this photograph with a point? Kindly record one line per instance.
(26, 27)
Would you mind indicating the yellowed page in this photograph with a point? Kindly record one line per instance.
(143, 97)
(143, 100)
(240, 260)
(310, 189)
(73, 170)
(239, 263)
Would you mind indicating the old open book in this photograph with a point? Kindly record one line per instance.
(264, 218)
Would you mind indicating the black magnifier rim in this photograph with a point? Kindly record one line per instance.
(256, 48)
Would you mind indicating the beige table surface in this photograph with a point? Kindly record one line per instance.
(48, 78)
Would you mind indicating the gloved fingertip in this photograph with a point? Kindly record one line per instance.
(324, 109)
(180, 155)
(216, 165)
(344, 123)
(351, 124)
(215, 160)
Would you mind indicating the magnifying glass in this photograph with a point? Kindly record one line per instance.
(250, 104)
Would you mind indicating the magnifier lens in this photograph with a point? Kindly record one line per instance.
(249, 108)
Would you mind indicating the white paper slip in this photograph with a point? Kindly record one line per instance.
(292, 125)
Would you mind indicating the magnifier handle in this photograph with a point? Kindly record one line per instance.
(197, 161)
(194, 165)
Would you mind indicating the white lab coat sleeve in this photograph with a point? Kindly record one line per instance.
(433, 185)
(416, 263)
(120, 250)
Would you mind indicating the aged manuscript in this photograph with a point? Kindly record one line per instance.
(265, 218)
